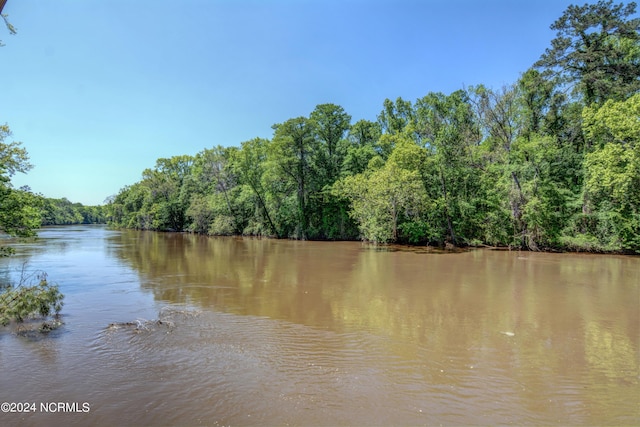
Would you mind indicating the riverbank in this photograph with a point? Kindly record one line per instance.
(586, 247)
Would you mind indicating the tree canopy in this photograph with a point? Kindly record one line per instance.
(597, 47)
(530, 165)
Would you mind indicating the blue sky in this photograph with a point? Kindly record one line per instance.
(98, 90)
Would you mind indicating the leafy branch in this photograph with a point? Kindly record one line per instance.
(23, 301)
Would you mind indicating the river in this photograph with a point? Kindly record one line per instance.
(177, 329)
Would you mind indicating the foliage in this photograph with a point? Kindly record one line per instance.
(612, 184)
(528, 165)
(64, 212)
(597, 47)
(20, 215)
(19, 209)
(23, 301)
(384, 198)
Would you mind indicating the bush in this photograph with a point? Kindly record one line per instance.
(222, 225)
(21, 302)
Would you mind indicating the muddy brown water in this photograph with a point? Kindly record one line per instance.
(175, 329)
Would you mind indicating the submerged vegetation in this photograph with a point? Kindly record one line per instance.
(43, 300)
(549, 162)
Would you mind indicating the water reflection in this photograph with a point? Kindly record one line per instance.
(267, 332)
(547, 328)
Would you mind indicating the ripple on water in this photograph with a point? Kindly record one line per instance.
(234, 367)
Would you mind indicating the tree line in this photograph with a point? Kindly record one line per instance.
(63, 212)
(21, 211)
(550, 162)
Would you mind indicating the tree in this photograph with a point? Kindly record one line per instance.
(20, 216)
(612, 170)
(395, 116)
(130, 208)
(597, 47)
(362, 146)
(328, 215)
(249, 164)
(214, 192)
(20, 212)
(543, 200)
(13, 158)
(525, 167)
(170, 197)
(382, 197)
(19, 209)
(330, 123)
(448, 130)
(293, 148)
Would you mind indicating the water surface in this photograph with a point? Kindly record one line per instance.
(175, 329)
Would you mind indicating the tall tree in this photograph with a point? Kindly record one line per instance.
(293, 148)
(597, 47)
(329, 218)
(448, 129)
(362, 146)
(395, 116)
(331, 124)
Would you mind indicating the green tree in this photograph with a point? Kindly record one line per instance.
(597, 47)
(543, 199)
(362, 146)
(383, 198)
(330, 123)
(216, 182)
(328, 215)
(526, 165)
(249, 164)
(20, 216)
(613, 174)
(19, 209)
(447, 127)
(170, 197)
(293, 149)
(524, 180)
(60, 212)
(396, 116)
(20, 212)
(130, 208)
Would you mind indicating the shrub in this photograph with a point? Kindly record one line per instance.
(21, 302)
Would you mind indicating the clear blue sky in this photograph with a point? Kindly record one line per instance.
(98, 90)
